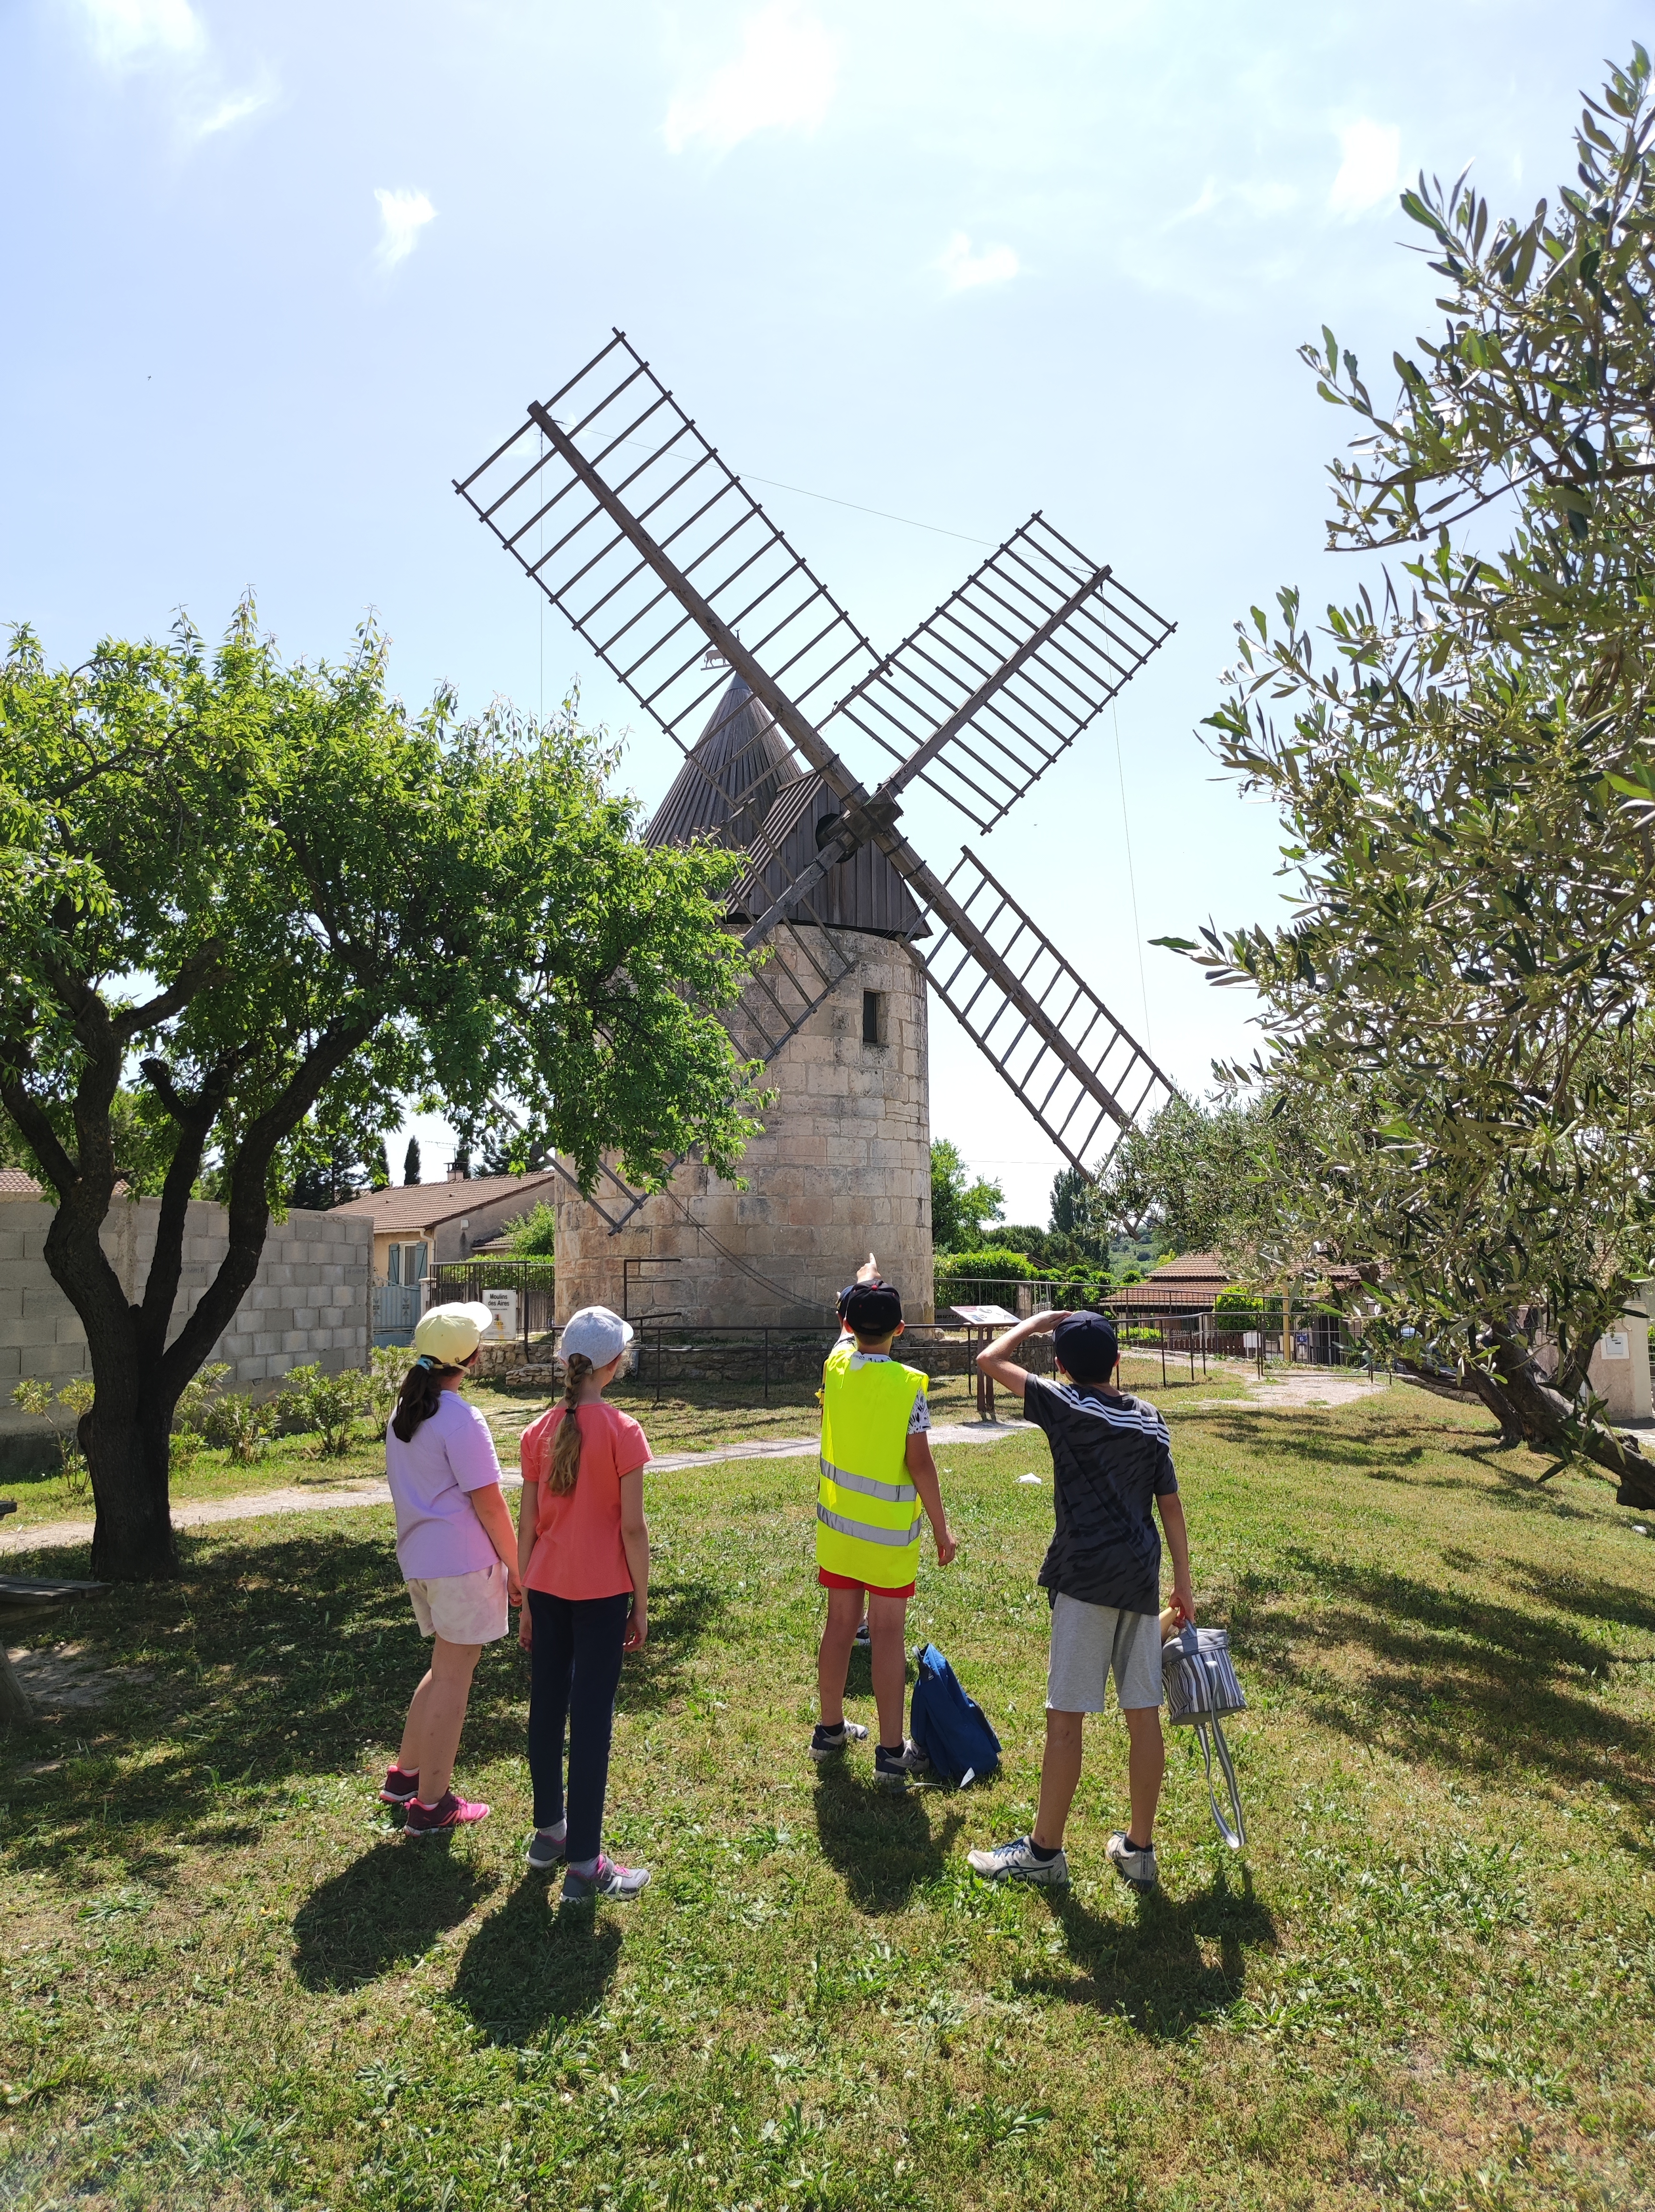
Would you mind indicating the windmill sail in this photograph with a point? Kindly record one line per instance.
(633, 527)
(999, 681)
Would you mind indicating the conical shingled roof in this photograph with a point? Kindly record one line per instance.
(739, 765)
(865, 892)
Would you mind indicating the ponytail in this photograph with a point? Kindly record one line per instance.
(419, 1397)
(565, 1445)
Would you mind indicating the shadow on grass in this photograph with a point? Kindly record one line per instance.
(1468, 1681)
(884, 1846)
(271, 1661)
(384, 1911)
(529, 1965)
(1151, 1971)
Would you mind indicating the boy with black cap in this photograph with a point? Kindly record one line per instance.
(1110, 1461)
(876, 1474)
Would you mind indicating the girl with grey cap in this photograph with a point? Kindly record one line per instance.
(583, 1554)
(457, 1554)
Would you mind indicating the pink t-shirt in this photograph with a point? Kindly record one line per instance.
(577, 1550)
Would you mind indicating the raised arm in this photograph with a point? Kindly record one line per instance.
(993, 1359)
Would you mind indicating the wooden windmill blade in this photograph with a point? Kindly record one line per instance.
(999, 682)
(1074, 1064)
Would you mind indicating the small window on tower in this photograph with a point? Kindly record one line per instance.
(873, 1017)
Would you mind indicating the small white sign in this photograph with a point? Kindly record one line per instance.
(503, 1306)
(1250, 1339)
(1617, 1345)
(984, 1317)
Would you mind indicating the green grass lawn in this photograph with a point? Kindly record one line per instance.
(1431, 1981)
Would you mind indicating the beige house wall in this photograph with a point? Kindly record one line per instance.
(1623, 1383)
(843, 1165)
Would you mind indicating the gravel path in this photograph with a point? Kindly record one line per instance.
(1315, 1387)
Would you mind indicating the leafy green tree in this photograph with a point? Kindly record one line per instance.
(378, 1164)
(1463, 756)
(960, 1206)
(275, 904)
(533, 1236)
(411, 1162)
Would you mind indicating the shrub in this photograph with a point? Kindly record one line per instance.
(328, 1406)
(989, 1264)
(387, 1364)
(76, 1397)
(234, 1426)
(190, 1414)
(533, 1236)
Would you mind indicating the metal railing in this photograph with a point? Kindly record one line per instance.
(534, 1281)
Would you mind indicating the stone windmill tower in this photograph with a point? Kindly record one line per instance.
(653, 558)
(844, 1163)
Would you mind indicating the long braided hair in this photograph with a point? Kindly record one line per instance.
(419, 1396)
(565, 1445)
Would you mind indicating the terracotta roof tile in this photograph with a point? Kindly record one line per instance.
(423, 1205)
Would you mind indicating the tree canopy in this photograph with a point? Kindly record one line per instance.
(962, 1205)
(272, 904)
(1462, 756)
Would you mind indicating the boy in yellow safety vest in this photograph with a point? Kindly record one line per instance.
(877, 1474)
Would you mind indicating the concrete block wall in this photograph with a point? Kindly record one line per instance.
(843, 1164)
(310, 1299)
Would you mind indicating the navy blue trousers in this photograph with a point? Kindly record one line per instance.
(574, 1671)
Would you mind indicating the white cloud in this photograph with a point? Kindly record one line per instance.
(124, 30)
(1369, 172)
(405, 215)
(783, 78)
(234, 110)
(963, 268)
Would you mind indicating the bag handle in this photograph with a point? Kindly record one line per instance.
(1235, 1837)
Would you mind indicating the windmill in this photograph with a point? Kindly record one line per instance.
(617, 508)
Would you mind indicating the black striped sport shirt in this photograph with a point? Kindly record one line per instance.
(1111, 1459)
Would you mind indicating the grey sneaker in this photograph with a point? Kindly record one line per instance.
(546, 1851)
(895, 1770)
(1015, 1861)
(1136, 1867)
(606, 1880)
(828, 1741)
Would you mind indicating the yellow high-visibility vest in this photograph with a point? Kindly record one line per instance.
(868, 1513)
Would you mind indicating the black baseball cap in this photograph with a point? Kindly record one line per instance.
(1086, 1347)
(845, 1295)
(871, 1309)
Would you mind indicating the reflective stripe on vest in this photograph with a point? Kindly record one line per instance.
(898, 1493)
(868, 1525)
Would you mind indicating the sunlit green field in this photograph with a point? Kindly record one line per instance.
(1430, 1982)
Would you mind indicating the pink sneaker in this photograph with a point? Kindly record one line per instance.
(449, 1812)
(400, 1788)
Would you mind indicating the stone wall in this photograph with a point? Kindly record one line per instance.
(843, 1165)
(309, 1300)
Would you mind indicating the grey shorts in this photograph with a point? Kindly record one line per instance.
(1091, 1642)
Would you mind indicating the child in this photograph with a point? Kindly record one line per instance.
(457, 1551)
(1110, 1457)
(583, 1552)
(876, 1467)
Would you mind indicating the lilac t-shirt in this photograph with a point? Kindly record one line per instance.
(438, 1532)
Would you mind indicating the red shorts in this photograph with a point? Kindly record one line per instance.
(830, 1581)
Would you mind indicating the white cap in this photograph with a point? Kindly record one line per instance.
(596, 1333)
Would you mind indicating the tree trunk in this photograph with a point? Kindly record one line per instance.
(128, 1456)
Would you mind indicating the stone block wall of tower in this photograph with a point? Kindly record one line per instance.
(843, 1164)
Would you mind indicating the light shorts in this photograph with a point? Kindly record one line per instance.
(1090, 1642)
(462, 1608)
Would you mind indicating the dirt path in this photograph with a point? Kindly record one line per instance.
(1311, 1387)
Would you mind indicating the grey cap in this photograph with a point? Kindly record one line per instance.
(596, 1333)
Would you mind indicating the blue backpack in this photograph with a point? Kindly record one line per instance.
(947, 1725)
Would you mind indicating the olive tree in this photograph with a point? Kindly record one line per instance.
(274, 903)
(1462, 754)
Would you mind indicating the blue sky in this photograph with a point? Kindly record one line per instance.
(279, 274)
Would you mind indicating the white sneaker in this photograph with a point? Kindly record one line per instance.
(895, 1770)
(1136, 1867)
(825, 1742)
(1015, 1861)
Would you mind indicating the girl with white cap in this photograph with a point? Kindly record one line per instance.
(457, 1550)
(583, 1555)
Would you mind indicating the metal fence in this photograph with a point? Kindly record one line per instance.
(534, 1281)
